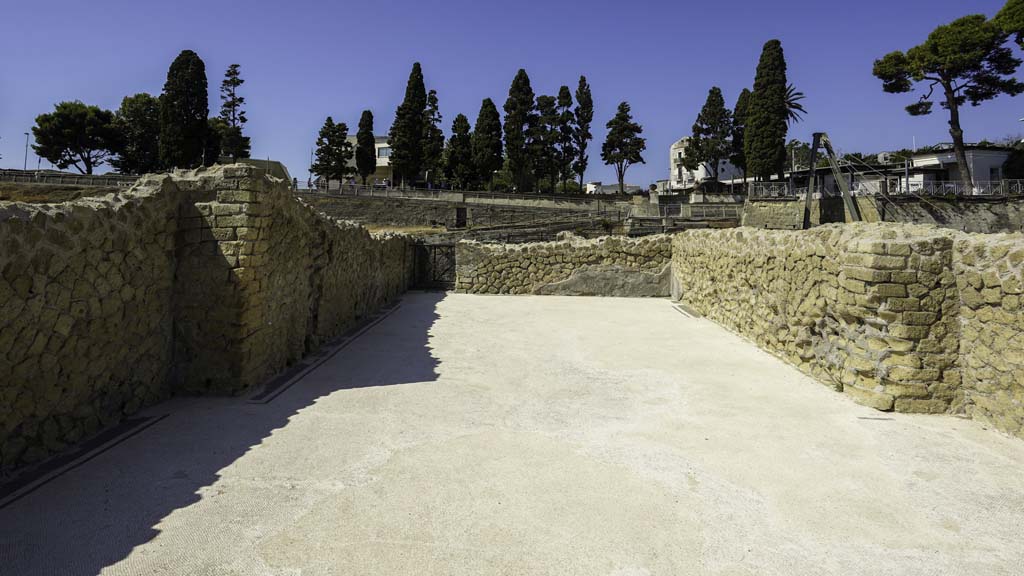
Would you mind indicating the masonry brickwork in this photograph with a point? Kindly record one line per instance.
(899, 317)
(978, 215)
(607, 266)
(207, 281)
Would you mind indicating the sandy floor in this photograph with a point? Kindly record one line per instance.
(535, 435)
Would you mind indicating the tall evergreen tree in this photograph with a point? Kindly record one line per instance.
(458, 155)
(765, 139)
(406, 134)
(584, 114)
(366, 149)
(333, 152)
(486, 141)
(624, 145)
(709, 144)
(739, 128)
(964, 61)
(137, 122)
(543, 144)
(566, 136)
(184, 109)
(433, 138)
(520, 117)
(233, 142)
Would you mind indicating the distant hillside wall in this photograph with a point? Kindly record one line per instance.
(899, 317)
(977, 215)
(207, 281)
(607, 266)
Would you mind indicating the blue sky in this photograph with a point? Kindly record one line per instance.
(305, 60)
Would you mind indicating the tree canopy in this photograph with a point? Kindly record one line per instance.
(764, 144)
(407, 133)
(366, 147)
(624, 146)
(963, 62)
(137, 122)
(520, 117)
(567, 152)
(584, 115)
(433, 138)
(458, 155)
(486, 142)
(709, 144)
(1011, 20)
(76, 134)
(739, 129)
(233, 142)
(333, 152)
(543, 145)
(183, 113)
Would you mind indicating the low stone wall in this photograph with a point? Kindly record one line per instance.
(207, 281)
(450, 214)
(990, 277)
(607, 266)
(979, 215)
(891, 314)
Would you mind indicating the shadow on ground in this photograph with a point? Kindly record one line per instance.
(94, 516)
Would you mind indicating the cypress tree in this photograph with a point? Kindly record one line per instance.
(366, 150)
(739, 129)
(584, 115)
(710, 144)
(486, 142)
(566, 136)
(543, 146)
(184, 109)
(433, 138)
(765, 138)
(458, 155)
(520, 117)
(406, 134)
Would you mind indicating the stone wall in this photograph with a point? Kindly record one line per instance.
(422, 212)
(990, 277)
(607, 266)
(85, 315)
(978, 215)
(899, 317)
(207, 281)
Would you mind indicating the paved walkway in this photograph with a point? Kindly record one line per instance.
(485, 435)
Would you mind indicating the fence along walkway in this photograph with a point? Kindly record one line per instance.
(939, 188)
(47, 177)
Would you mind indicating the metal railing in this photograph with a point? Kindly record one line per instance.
(938, 188)
(563, 202)
(47, 177)
(701, 211)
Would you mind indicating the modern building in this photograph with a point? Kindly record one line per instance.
(600, 188)
(382, 150)
(681, 178)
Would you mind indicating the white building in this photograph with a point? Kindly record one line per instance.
(681, 178)
(599, 188)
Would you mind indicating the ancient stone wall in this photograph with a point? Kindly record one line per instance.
(901, 317)
(85, 315)
(979, 215)
(990, 277)
(207, 281)
(422, 212)
(607, 266)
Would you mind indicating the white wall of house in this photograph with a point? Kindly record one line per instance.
(680, 178)
(986, 165)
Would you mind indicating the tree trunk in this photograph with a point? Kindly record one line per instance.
(958, 139)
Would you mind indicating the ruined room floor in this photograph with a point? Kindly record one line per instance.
(533, 435)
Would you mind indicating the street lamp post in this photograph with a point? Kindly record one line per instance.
(25, 165)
